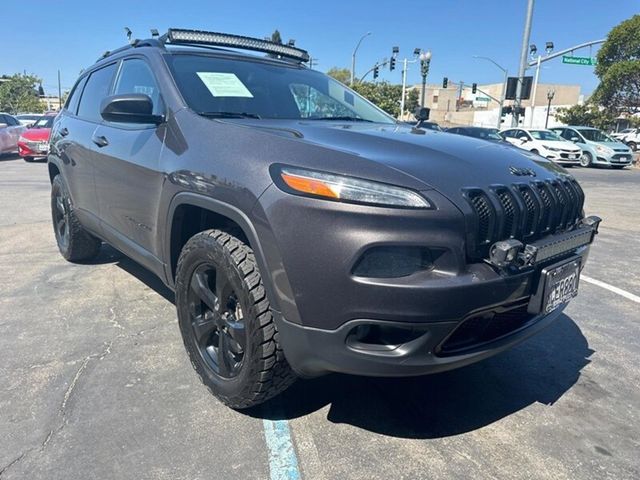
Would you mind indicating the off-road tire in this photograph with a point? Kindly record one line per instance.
(265, 372)
(79, 245)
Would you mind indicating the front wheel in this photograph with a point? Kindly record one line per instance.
(633, 146)
(74, 242)
(586, 159)
(226, 322)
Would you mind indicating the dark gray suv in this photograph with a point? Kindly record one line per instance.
(304, 230)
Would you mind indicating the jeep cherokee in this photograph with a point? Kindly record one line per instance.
(304, 230)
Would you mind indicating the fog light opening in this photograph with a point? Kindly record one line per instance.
(393, 262)
(376, 337)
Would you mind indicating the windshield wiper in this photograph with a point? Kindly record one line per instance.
(343, 118)
(229, 115)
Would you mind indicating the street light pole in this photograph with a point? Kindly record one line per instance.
(523, 62)
(425, 60)
(550, 94)
(405, 66)
(504, 87)
(353, 58)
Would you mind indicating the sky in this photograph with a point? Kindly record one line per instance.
(69, 35)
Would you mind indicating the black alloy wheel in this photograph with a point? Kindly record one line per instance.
(217, 320)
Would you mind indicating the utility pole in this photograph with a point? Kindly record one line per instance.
(523, 62)
(504, 86)
(405, 66)
(59, 92)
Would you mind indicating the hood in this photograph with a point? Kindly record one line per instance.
(37, 134)
(563, 145)
(617, 146)
(444, 161)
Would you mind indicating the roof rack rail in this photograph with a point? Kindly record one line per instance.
(177, 36)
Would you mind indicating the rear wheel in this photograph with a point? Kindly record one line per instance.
(74, 242)
(535, 151)
(586, 159)
(226, 322)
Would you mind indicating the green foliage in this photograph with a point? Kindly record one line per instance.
(619, 68)
(276, 37)
(19, 93)
(341, 74)
(383, 94)
(586, 115)
(412, 101)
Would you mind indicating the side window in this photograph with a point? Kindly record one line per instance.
(96, 89)
(569, 134)
(12, 122)
(74, 97)
(3, 119)
(508, 134)
(136, 77)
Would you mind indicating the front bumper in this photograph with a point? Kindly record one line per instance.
(313, 352)
(563, 158)
(616, 158)
(32, 149)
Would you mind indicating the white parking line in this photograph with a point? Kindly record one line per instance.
(611, 288)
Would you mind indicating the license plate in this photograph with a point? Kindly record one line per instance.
(43, 147)
(572, 156)
(560, 285)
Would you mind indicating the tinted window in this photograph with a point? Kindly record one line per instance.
(509, 134)
(95, 90)
(11, 121)
(545, 135)
(596, 135)
(74, 98)
(136, 77)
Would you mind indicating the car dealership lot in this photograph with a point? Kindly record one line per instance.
(96, 382)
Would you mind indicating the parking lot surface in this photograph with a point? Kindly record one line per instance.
(96, 383)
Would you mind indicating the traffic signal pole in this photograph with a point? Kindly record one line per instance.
(523, 62)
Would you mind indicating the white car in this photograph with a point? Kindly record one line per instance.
(545, 143)
(629, 136)
(28, 119)
(10, 131)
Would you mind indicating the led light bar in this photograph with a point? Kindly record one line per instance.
(178, 36)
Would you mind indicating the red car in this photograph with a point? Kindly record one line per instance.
(34, 142)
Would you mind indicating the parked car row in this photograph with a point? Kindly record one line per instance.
(567, 146)
(30, 142)
(629, 136)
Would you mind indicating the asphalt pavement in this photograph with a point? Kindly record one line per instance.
(96, 383)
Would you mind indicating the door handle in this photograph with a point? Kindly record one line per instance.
(64, 131)
(100, 140)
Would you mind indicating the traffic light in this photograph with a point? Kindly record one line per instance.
(424, 68)
(445, 82)
(376, 72)
(392, 64)
(474, 87)
(507, 110)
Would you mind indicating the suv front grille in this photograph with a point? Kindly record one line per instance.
(523, 211)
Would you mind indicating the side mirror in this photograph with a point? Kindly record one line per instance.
(524, 139)
(575, 139)
(129, 108)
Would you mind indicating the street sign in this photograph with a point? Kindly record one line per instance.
(578, 60)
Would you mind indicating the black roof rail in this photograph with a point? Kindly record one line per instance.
(200, 38)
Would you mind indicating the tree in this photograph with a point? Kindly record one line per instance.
(383, 94)
(341, 74)
(619, 68)
(412, 101)
(276, 37)
(19, 93)
(587, 115)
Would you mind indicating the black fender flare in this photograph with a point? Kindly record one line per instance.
(231, 212)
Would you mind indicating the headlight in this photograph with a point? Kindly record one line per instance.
(346, 189)
(604, 150)
(23, 140)
(553, 149)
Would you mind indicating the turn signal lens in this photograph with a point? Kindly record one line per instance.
(348, 189)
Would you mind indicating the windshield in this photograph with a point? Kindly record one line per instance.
(545, 135)
(486, 134)
(44, 122)
(595, 135)
(219, 87)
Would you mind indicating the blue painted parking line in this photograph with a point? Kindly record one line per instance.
(283, 462)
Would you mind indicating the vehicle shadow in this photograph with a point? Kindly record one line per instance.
(7, 157)
(450, 403)
(108, 254)
(539, 370)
